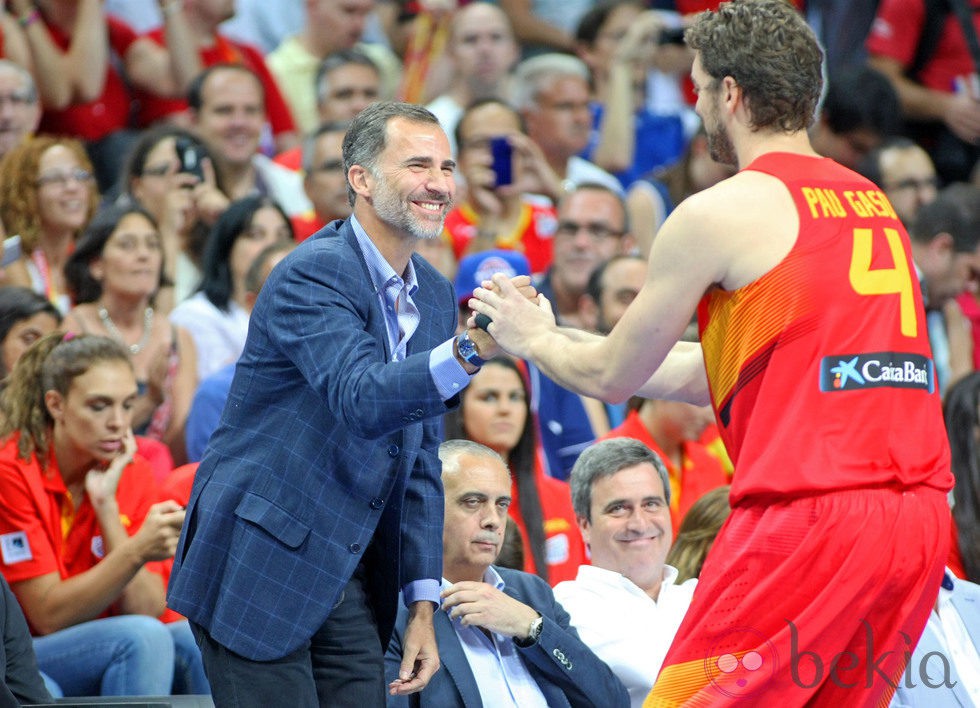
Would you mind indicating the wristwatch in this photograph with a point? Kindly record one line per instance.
(467, 350)
(533, 632)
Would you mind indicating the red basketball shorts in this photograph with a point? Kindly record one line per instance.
(812, 601)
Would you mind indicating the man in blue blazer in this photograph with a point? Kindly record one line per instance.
(936, 674)
(319, 496)
(503, 638)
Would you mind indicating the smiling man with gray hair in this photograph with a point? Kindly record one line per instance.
(625, 605)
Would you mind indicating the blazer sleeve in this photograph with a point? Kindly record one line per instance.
(420, 530)
(565, 660)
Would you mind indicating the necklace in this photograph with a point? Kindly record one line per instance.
(114, 331)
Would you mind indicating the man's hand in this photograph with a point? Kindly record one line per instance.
(518, 318)
(483, 605)
(962, 116)
(486, 346)
(208, 199)
(534, 174)
(420, 657)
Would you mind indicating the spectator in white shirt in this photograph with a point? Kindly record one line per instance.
(626, 605)
(944, 669)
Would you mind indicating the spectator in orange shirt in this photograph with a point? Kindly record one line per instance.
(82, 539)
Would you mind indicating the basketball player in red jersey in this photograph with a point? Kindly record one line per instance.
(815, 356)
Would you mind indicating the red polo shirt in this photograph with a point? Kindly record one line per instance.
(41, 533)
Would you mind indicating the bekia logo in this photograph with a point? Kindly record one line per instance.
(743, 662)
(848, 372)
(739, 672)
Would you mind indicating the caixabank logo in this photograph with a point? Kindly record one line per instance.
(850, 372)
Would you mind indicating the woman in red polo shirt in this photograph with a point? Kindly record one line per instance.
(80, 537)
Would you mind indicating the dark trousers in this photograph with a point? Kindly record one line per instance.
(342, 665)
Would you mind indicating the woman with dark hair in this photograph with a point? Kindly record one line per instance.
(83, 536)
(25, 317)
(494, 410)
(170, 174)
(961, 410)
(217, 315)
(114, 274)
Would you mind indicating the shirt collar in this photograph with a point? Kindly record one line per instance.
(380, 270)
(612, 577)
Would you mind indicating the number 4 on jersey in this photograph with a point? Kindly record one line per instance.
(884, 281)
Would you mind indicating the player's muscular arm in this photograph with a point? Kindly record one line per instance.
(728, 235)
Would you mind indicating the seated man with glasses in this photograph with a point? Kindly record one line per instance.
(20, 111)
(906, 174)
(593, 226)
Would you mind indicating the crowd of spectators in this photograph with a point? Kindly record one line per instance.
(158, 158)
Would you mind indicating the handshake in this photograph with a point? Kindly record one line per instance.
(512, 302)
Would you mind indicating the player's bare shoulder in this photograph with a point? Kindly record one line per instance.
(749, 218)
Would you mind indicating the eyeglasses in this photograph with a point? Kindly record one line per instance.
(329, 166)
(61, 178)
(565, 106)
(18, 98)
(596, 231)
(913, 183)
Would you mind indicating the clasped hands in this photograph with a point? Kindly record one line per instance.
(518, 312)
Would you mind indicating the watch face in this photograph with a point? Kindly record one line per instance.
(467, 350)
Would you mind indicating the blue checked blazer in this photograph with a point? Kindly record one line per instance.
(324, 445)
(565, 669)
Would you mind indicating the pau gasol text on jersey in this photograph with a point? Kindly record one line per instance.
(849, 372)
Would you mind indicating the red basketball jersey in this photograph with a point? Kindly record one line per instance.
(821, 372)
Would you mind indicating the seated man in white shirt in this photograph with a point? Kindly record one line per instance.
(625, 606)
(944, 669)
(503, 639)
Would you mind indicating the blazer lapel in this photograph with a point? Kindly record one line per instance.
(454, 660)
(376, 324)
(429, 312)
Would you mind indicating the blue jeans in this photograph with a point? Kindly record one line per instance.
(189, 677)
(128, 655)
